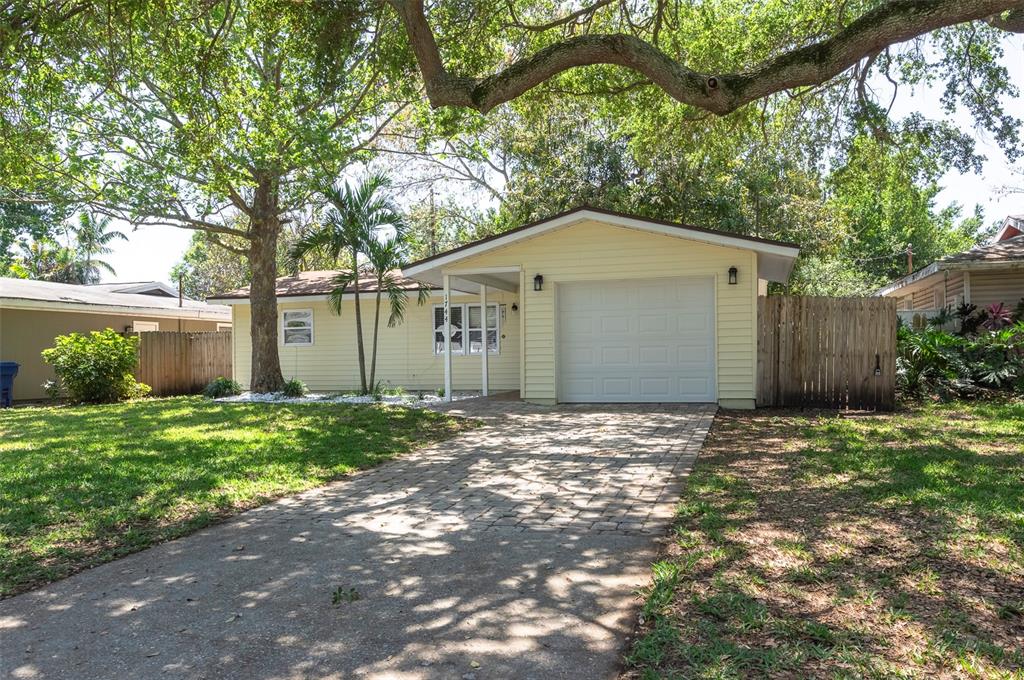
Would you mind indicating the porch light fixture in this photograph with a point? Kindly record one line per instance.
(538, 283)
(732, 275)
(515, 307)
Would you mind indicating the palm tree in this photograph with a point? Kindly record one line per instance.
(45, 259)
(92, 238)
(385, 259)
(356, 215)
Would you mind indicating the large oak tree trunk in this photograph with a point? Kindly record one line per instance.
(265, 227)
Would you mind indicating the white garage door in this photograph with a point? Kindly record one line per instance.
(636, 341)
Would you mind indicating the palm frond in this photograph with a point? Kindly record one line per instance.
(341, 282)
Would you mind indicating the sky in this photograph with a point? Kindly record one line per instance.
(150, 252)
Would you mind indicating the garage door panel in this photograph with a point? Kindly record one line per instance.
(615, 323)
(617, 387)
(694, 387)
(649, 322)
(654, 356)
(649, 340)
(617, 356)
(656, 387)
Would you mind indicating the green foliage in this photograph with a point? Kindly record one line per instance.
(97, 367)
(294, 388)
(353, 229)
(22, 223)
(52, 389)
(215, 264)
(932, 361)
(84, 485)
(93, 237)
(222, 387)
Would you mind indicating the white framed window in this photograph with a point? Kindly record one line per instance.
(145, 326)
(224, 327)
(467, 329)
(297, 327)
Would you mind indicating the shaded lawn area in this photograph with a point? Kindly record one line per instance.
(811, 545)
(84, 485)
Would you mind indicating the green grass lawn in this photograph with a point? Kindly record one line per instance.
(84, 485)
(811, 545)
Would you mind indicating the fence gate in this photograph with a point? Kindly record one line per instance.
(182, 363)
(826, 352)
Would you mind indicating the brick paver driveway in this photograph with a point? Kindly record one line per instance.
(512, 551)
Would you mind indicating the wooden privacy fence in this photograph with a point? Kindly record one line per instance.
(182, 363)
(827, 352)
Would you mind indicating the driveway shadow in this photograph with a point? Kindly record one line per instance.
(511, 551)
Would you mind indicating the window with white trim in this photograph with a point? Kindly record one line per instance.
(297, 327)
(467, 323)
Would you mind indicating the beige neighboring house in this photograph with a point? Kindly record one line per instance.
(585, 306)
(982, 276)
(33, 313)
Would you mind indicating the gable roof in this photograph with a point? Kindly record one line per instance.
(29, 294)
(315, 282)
(1012, 226)
(1006, 253)
(158, 288)
(779, 255)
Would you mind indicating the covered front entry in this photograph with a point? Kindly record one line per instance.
(650, 340)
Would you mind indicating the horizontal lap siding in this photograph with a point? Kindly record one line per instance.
(404, 355)
(592, 251)
(954, 288)
(1006, 286)
(24, 333)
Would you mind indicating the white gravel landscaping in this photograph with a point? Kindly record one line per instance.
(409, 399)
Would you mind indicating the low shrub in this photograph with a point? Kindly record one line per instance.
(222, 387)
(294, 388)
(52, 389)
(97, 367)
(932, 361)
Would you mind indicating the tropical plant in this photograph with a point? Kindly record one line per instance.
(222, 387)
(294, 389)
(997, 315)
(92, 238)
(385, 257)
(44, 259)
(358, 214)
(934, 361)
(970, 318)
(98, 367)
(942, 317)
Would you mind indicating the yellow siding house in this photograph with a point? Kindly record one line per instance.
(586, 306)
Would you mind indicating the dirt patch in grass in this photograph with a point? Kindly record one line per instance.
(818, 545)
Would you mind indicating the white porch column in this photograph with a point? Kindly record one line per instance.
(483, 351)
(448, 339)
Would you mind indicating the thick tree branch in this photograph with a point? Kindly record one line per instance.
(893, 22)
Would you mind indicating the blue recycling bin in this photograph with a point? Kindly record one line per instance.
(8, 369)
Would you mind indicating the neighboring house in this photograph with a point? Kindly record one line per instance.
(984, 275)
(33, 313)
(586, 306)
(157, 288)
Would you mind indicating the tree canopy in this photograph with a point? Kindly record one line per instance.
(764, 117)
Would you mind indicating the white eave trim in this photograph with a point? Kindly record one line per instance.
(935, 267)
(122, 310)
(908, 280)
(626, 222)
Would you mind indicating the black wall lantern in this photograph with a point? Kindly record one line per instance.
(538, 282)
(732, 275)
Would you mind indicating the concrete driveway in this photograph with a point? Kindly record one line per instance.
(513, 551)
